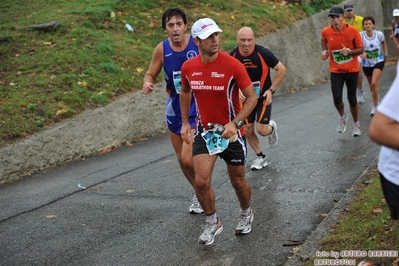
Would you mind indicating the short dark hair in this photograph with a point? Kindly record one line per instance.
(368, 18)
(173, 12)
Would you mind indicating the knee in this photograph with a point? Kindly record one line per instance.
(373, 86)
(352, 102)
(202, 184)
(187, 161)
(337, 101)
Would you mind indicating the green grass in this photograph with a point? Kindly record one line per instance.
(92, 59)
(365, 226)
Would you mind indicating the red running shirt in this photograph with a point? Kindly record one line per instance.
(216, 87)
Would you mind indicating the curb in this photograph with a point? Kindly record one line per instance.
(308, 249)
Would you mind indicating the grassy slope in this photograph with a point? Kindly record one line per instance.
(92, 59)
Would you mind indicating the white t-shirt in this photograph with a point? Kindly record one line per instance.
(372, 48)
(388, 164)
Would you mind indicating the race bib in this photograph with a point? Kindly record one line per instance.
(177, 81)
(339, 58)
(214, 142)
(373, 54)
(257, 88)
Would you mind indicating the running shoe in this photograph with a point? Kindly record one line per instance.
(195, 206)
(356, 130)
(245, 223)
(360, 96)
(273, 137)
(259, 163)
(210, 231)
(373, 109)
(341, 127)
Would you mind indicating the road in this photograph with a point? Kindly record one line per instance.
(130, 206)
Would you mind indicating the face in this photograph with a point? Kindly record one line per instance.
(368, 25)
(210, 45)
(245, 40)
(396, 19)
(349, 14)
(336, 21)
(175, 29)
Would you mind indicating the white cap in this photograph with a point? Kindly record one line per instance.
(396, 12)
(203, 28)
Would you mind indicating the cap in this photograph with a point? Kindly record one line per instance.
(203, 28)
(396, 12)
(348, 7)
(336, 11)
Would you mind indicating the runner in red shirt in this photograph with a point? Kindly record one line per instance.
(342, 43)
(215, 79)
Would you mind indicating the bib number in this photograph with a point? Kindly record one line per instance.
(214, 142)
(339, 58)
(257, 88)
(373, 54)
(177, 81)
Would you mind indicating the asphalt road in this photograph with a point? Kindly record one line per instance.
(133, 207)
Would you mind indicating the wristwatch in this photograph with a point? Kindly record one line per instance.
(272, 91)
(349, 51)
(239, 124)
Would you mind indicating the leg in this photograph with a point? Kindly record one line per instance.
(351, 83)
(253, 141)
(252, 138)
(337, 84)
(374, 85)
(359, 91)
(360, 77)
(243, 192)
(203, 167)
(240, 184)
(184, 156)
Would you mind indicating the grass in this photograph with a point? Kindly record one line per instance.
(365, 226)
(91, 60)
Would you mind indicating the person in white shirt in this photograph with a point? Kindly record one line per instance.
(384, 130)
(373, 58)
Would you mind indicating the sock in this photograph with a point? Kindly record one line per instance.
(261, 154)
(246, 211)
(212, 218)
(357, 123)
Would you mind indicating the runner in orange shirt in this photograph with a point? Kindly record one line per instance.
(342, 43)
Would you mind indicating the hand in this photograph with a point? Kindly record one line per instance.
(185, 133)
(269, 97)
(363, 56)
(345, 51)
(148, 87)
(324, 55)
(230, 131)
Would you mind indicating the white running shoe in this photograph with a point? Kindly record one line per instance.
(360, 96)
(195, 206)
(356, 130)
(373, 110)
(244, 225)
(273, 137)
(210, 231)
(341, 127)
(259, 163)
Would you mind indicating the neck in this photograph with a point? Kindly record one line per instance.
(339, 28)
(370, 33)
(208, 58)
